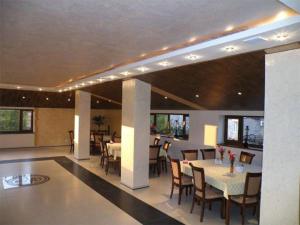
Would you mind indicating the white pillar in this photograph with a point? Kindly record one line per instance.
(136, 97)
(281, 155)
(82, 125)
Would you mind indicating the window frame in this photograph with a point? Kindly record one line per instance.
(21, 130)
(239, 143)
(184, 136)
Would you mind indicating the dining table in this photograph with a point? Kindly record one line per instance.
(217, 174)
(114, 149)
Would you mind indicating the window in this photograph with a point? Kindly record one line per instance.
(243, 131)
(176, 125)
(16, 121)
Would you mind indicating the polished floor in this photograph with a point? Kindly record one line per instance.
(85, 195)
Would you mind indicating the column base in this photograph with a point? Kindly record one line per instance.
(135, 188)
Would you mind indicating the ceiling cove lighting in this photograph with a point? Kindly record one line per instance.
(100, 80)
(18, 87)
(281, 36)
(192, 39)
(60, 91)
(142, 69)
(40, 89)
(281, 16)
(230, 48)
(76, 86)
(192, 57)
(125, 73)
(229, 28)
(82, 84)
(112, 77)
(164, 63)
(91, 82)
(165, 48)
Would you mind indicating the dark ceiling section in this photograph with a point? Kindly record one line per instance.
(22, 98)
(113, 91)
(217, 82)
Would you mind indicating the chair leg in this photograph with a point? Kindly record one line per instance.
(209, 206)
(186, 190)
(179, 197)
(222, 208)
(172, 189)
(243, 215)
(193, 203)
(106, 167)
(254, 211)
(202, 211)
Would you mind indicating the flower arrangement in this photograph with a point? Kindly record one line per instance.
(231, 158)
(221, 150)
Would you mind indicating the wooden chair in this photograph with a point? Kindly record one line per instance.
(109, 160)
(251, 196)
(179, 180)
(190, 154)
(156, 141)
(71, 136)
(163, 159)
(246, 157)
(208, 153)
(98, 138)
(154, 161)
(204, 194)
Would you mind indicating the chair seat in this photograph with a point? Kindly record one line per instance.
(185, 180)
(210, 193)
(239, 200)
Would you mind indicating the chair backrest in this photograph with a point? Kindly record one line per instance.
(105, 148)
(175, 168)
(208, 153)
(113, 136)
(246, 157)
(156, 141)
(71, 136)
(166, 146)
(154, 152)
(199, 180)
(190, 154)
(252, 185)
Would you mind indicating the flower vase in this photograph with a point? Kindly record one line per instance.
(231, 166)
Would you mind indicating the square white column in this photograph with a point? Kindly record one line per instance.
(281, 154)
(136, 97)
(82, 123)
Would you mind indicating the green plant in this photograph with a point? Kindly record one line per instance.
(99, 121)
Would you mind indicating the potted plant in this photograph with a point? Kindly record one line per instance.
(99, 121)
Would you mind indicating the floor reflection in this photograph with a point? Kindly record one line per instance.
(23, 180)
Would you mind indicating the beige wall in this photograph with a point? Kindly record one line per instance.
(52, 126)
(113, 117)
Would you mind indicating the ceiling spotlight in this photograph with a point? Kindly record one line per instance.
(192, 39)
(76, 86)
(230, 48)
(281, 36)
(109, 100)
(164, 63)
(125, 73)
(70, 88)
(192, 57)
(166, 97)
(239, 93)
(98, 101)
(100, 80)
(18, 87)
(69, 99)
(197, 96)
(60, 91)
(229, 28)
(142, 69)
(91, 82)
(82, 84)
(112, 77)
(142, 55)
(47, 98)
(65, 89)
(23, 97)
(40, 89)
(165, 48)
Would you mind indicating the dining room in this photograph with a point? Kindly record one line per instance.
(149, 130)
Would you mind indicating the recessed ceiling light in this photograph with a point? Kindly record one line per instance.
(97, 101)
(239, 93)
(23, 97)
(143, 69)
(281, 36)
(18, 87)
(166, 97)
(142, 55)
(47, 98)
(192, 57)
(91, 82)
(60, 91)
(82, 84)
(230, 48)
(165, 48)
(197, 96)
(192, 39)
(40, 89)
(76, 86)
(109, 100)
(65, 89)
(112, 77)
(164, 63)
(69, 99)
(229, 28)
(125, 73)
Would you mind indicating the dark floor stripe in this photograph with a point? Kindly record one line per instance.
(141, 211)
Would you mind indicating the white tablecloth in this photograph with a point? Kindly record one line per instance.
(114, 149)
(217, 175)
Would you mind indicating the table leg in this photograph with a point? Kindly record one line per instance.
(227, 220)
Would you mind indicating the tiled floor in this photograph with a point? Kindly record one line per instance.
(67, 200)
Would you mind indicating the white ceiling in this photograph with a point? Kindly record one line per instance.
(45, 43)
